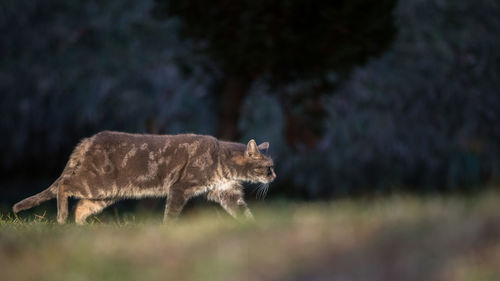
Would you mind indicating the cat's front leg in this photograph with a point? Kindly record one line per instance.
(246, 211)
(232, 200)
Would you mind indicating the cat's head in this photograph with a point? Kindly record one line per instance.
(259, 166)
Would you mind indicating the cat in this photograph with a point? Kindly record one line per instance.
(110, 166)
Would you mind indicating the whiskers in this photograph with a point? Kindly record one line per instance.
(261, 191)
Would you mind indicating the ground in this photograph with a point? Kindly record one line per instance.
(390, 238)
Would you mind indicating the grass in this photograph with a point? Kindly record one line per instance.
(395, 238)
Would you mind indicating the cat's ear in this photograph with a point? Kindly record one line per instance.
(263, 147)
(252, 149)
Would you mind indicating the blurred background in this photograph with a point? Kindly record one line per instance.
(356, 97)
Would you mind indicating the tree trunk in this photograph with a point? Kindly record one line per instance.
(305, 127)
(233, 93)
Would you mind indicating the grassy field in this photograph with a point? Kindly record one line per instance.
(395, 238)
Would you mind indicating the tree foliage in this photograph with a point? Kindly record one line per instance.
(424, 114)
(285, 41)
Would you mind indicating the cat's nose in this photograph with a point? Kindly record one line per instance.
(273, 174)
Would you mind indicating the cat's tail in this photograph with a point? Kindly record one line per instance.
(37, 199)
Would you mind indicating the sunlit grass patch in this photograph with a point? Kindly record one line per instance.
(396, 238)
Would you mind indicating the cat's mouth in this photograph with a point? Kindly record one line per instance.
(262, 181)
(267, 180)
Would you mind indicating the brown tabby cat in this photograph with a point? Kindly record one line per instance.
(110, 166)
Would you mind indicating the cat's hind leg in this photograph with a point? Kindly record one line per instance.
(87, 207)
(62, 204)
(67, 187)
